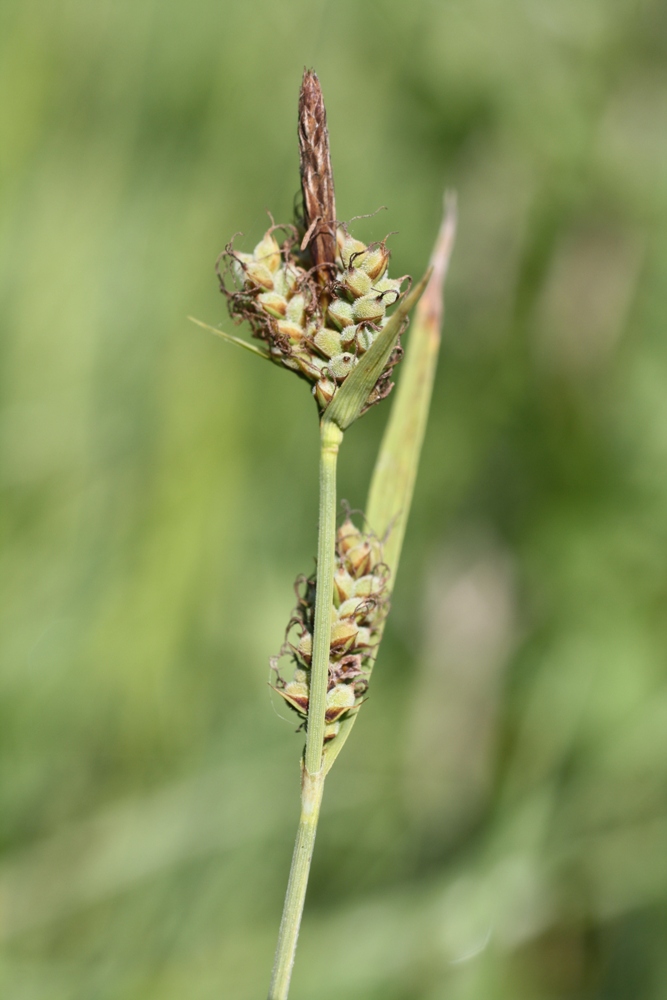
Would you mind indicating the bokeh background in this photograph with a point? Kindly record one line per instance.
(497, 825)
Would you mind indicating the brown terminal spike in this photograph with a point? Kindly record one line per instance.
(317, 185)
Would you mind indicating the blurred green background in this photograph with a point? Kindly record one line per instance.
(497, 825)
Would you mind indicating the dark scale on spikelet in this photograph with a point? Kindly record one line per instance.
(360, 605)
(317, 330)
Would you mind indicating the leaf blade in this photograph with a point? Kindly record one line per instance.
(392, 484)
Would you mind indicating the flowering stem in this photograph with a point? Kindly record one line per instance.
(312, 783)
(312, 787)
(330, 439)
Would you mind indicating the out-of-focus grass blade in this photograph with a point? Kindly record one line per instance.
(392, 485)
(353, 394)
(231, 339)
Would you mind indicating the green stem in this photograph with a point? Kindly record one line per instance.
(312, 787)
(312, 784)
(330, 439)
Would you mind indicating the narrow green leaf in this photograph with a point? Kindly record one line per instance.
(253, 348)
(392, 485)
(353, 394)
(395, 472)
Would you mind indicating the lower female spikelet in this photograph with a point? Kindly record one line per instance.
(360, 604)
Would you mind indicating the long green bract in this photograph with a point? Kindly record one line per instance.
(231, 339)
(395, 471)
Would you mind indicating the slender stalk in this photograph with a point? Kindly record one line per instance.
(330, 439)
(312, 783)
(312, 787)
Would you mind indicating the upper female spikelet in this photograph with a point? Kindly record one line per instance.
(317, 330)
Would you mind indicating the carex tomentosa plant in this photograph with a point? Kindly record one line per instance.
(322, 304)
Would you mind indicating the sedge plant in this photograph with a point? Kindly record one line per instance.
(322, 304)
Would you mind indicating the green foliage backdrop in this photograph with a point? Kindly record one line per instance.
(497, 825)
